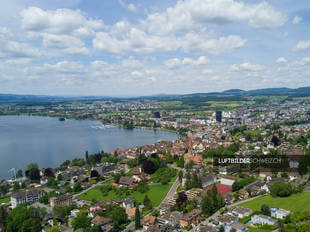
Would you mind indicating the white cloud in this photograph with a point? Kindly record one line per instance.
(302, 45)
(246, 67)
(190, 15)
(175, 62)
(124, 38)
(10, 49)
(60, 21)
(68, 44)
(133, 40)
(136, 73)
(132, 7)
(68, 67)
(296, 20)
(303, 61)
(281, 60)
(131, 63)
(197, 43)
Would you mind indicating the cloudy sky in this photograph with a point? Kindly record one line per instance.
(139, 47)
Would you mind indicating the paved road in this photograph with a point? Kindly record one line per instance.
(171, 193)
(86, 190)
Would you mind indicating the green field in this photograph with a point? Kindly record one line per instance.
(297, 202)
(5, 200)
(156, 193)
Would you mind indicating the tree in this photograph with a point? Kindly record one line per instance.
(86, 156)
(280, 189)
(59, 177)
(48, 172)
(3, 216)
(44, 199)
(52, 182)
(31, 225)
(137, 219)
(180, 163)
(77, 187)
(119, 217)
(265, 210)
(32, 166)
(142, 186)
(147, 203)
(196, 182)
(19, 173)
(222, 229)
(181, 200)
(16, 187)
(180, 176)
(24, 219)
(94, 173)
(212, 201)
(81, 221)
(275, 140)
(148, 167)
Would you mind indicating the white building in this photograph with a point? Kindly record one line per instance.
(279, 213)
(263, 220)
(237, 227)
(241, 212)
(26, 196)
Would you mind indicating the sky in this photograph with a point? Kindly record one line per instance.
(139, 47)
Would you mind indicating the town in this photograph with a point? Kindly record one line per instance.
(172, 185)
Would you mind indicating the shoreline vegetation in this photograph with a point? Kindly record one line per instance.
(105, 124)
(98, 120)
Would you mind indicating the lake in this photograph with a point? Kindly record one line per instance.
(48, 141)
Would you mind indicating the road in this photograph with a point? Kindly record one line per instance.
(86, 190)
(171, 193)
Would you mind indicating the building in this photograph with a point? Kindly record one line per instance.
(156, 114)
(126, 181)
(237, 227)
(170, 218)
(63, 200)
(228, 180)
(226, 220)
(279, 213)
(105, 224)
(128, 203)
(263, 220)
(148, 221)
(208, 180)
(228, 170)
(105, 168)
(190, 217)
(218, 116)
(26, 196)
(242, 212)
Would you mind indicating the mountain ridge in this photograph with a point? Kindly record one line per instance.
(283, 91)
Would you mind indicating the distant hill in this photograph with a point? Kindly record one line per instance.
(15, 98)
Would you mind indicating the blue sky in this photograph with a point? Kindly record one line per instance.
(138, 47)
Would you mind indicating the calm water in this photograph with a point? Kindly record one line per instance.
(49, 142)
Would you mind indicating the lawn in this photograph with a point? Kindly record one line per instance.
(297, 202)
(5, 200)
(156, 193)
